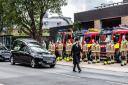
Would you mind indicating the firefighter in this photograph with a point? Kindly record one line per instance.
(108, 55)
(68, 50)
(123, 51)
(85, 52)
(60, 49)
(93, 51)
(97, 52)
(53, 47)
(50, 46)
(112, 52)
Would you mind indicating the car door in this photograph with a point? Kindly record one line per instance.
(16, 51)
(25, 54)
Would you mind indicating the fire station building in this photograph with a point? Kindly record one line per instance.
(104, 16)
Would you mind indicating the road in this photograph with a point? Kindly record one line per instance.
(60, 75)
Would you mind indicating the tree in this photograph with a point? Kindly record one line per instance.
(77, 26)
(28, 14)
(5, 19)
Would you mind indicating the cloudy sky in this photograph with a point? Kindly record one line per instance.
(75, 6)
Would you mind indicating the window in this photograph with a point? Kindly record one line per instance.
(24, 48)
(87, 39)
(116, 38)
(126, 36)
(16, 45)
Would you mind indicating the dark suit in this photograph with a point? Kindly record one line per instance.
(76, 49)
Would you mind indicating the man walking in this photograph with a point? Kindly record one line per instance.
(76, 49)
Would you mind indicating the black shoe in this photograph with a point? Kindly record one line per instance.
(74, 71)
(79, 71)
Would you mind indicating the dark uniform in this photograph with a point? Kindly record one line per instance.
(76, 50)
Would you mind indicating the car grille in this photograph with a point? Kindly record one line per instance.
(48, 58)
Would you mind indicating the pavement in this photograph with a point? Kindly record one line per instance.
(112, 67)
(60, 75)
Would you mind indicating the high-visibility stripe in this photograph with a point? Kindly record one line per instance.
(116, 45)
(89, 45)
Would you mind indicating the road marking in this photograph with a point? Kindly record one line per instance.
(117, 83)
(1, 84)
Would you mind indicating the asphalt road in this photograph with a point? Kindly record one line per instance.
(60, 75)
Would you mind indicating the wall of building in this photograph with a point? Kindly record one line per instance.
(110, 12)
(124, 20)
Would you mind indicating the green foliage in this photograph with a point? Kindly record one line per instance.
(77, 26)
(27, 15)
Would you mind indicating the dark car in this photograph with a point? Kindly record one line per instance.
(4, 53)
(29, 51)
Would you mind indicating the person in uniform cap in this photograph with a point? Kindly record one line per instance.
(76, 50)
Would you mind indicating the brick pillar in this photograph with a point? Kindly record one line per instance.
(97, 24)
(124, 20)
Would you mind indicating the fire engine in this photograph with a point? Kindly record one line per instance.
(64, 36)
(117, 35)
(105, 37)
(90, 35)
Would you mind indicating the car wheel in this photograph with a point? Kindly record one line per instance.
(12, 61)
(52, 66)
(33, 63)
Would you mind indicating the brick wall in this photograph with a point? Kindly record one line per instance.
(124, 20)
(97, 24)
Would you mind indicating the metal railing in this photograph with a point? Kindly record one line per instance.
(110, 5)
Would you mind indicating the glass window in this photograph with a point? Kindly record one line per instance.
(126, 36)
(24, 49)
(3, 48)
(17, 45)
(87, 39)
(59, 37)
(97, 38)
(116, 38)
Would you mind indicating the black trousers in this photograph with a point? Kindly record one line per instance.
(78, 67)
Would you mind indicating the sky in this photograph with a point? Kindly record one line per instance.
(75, 6)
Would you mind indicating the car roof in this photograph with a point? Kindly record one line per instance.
(26, 40)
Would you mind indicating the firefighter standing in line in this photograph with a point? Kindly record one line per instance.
(53, 47)
(123, 52)
(108, 53)
(68, 49)
(97, 52)
(112, 52)
(85, 52)
(60, 49)
(50, 46)
(93, 51)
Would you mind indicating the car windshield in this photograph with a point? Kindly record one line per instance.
(104, 39)
(87, 39)
(3, 48)
(39, 49)
(33, 44)
(59, 37)
(116, 38)
(36, 47)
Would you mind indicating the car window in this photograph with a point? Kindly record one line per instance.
(16, 45)
(24, 49)
(3, 48)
